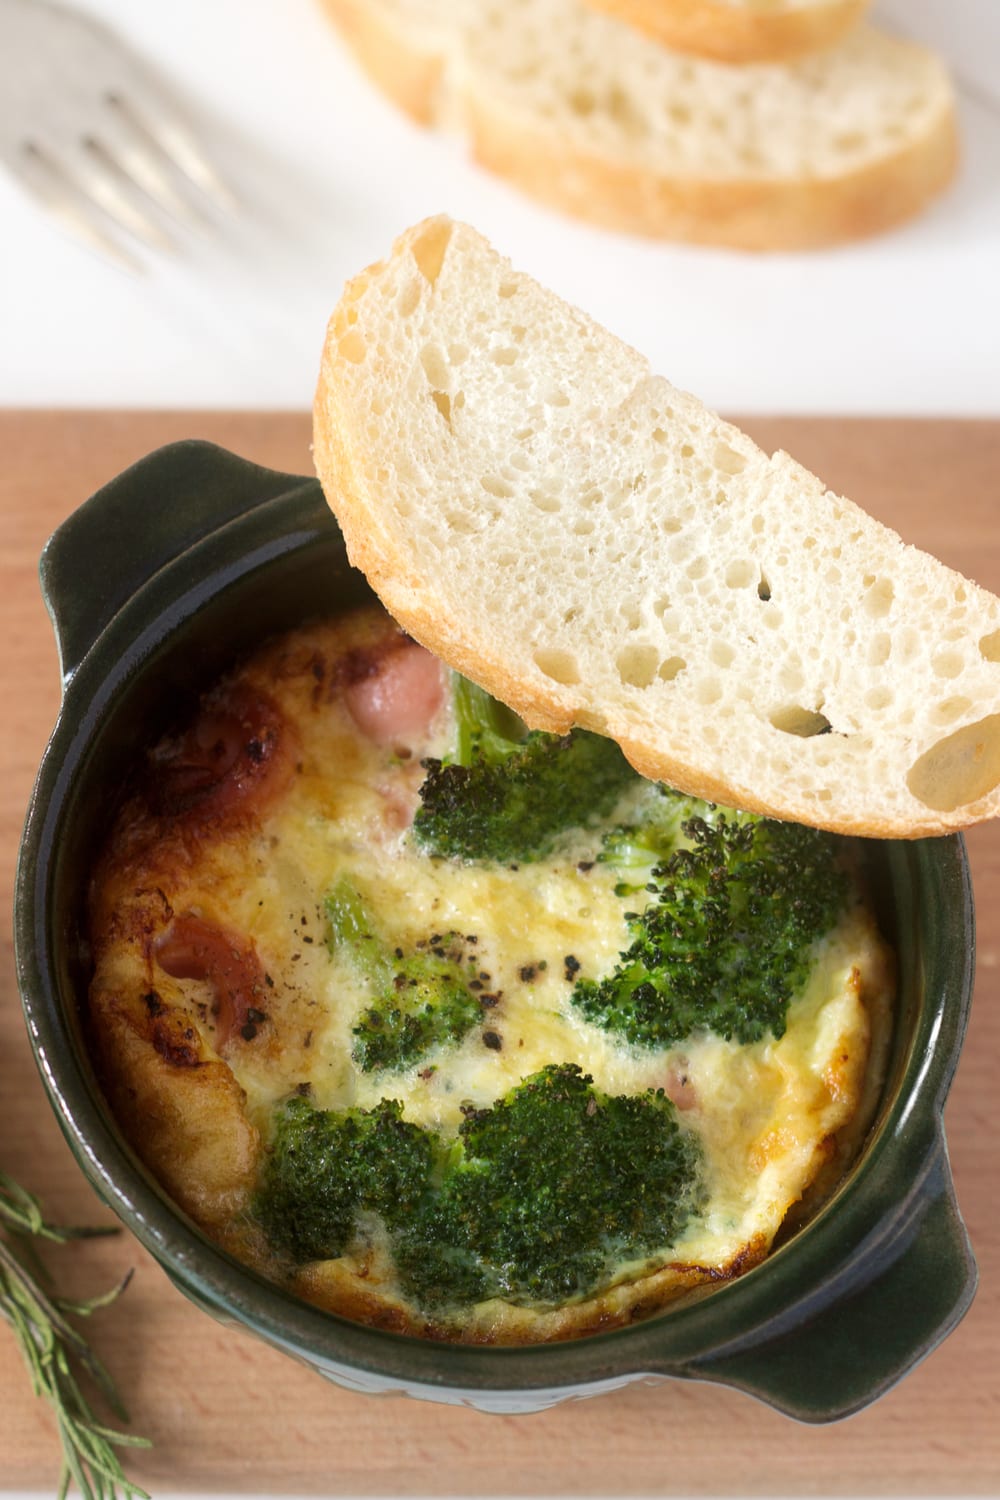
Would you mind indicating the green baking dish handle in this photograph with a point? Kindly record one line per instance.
(859, 1345)
(188, 490)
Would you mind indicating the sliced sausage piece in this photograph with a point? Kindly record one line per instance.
(192, 948)
(234, 756)
(399, 695)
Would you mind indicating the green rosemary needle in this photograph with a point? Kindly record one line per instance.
(56, 1353)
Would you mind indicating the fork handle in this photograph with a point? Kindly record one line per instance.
(142, 520)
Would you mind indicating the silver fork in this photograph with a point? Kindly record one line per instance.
(88, 130)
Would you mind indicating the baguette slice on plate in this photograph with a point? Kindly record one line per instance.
(591, 117)
(740, 31)
(596, 548)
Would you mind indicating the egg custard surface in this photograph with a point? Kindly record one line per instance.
(272, 943)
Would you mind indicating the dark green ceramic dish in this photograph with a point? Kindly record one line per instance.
(153, 585)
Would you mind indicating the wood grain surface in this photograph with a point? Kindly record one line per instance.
(226, 1413)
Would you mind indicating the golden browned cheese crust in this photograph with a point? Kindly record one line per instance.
(215, 995)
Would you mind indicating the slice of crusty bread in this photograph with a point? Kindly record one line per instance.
(588, 115)
(596, 548)
(740, 31)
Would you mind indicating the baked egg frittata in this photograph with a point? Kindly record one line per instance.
(492, 1091)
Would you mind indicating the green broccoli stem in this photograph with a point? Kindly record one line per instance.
(418, 1001)
(484, 727)
(351, 927)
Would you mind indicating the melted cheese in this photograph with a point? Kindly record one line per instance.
(767, 1115)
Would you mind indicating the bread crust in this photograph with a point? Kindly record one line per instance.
(409, 73)
(759, 215)
(738, 34)
(750, 213)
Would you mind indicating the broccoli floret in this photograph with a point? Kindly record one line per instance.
(537, 1199)
(725, 942)
(554, 1183)
(326, 1167)
(418, 999)
(505, 795)
(635, 849)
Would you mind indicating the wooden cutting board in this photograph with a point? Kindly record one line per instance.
(226, 1413)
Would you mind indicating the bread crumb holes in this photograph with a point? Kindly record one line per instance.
(558, 666)
(429, 249)
(879, 650)
(637, 665)
(989, 646)
(879, 594)
(947, 664)
(671, 668)
(352, 347)
(727, 460)
(442, 401)
(961, 768)
(805, 723)
(950, 709)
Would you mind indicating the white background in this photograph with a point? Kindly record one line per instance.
(328, 174)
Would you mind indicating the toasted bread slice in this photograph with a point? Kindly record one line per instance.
(597, 548)
(591, 117)
(740, 31)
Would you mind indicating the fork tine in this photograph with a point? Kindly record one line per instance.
(110, 149)
(44, 180)
(141, 158)
(162, 124)
(101, 179)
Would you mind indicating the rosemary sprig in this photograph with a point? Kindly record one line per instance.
(56, 1353)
